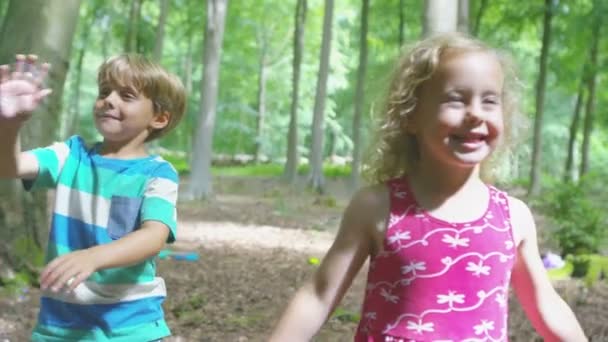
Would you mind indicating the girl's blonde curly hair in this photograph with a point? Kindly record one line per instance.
(393, 150)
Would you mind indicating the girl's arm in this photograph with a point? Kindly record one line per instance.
(549, 313)
(315, 301)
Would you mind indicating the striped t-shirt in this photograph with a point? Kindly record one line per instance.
(99, 200)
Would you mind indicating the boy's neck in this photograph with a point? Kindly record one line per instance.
(121, 150)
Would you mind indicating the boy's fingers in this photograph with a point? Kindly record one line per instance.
(19, 63)
(4, 73)
(42, 73)
(43, 93)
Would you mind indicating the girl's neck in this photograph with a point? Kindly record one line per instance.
(434, 185)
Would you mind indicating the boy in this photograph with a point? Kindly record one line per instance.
(114, 203)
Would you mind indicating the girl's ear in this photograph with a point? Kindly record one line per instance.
(160, 120)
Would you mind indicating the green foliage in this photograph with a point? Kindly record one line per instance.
(25, 249)
(180, 163)
(574, 209)
(562, 273)
(344, 315)
(16, 285)
(590, 267)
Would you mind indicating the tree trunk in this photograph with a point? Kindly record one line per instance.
(591, 84)
(160, 30)
(482, 10)
(293, 157)
(200, 182)
(131, 36)
(536, 166)
(3, 7)
(401, 22)
(32, 26)
(259, 127)
(188, 67)
(317, 180)
(70, 122)
(580, 98)
(105, 33)
(463, 16)
(439, 16)
(359, 96)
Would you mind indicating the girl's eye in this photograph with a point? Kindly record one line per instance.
(491, 100)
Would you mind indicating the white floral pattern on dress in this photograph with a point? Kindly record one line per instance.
(478, 268)
(454, 241)
(484, 327)
(420, 327)
(450, 298)
(413, 267)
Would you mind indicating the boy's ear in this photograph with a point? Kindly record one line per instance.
(160, 120)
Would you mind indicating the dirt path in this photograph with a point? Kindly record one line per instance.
(255, 242)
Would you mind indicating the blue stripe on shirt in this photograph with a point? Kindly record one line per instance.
(104, 316)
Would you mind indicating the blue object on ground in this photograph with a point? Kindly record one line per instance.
(552, 260)
(182, 256)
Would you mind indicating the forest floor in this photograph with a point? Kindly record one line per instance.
(255, 241)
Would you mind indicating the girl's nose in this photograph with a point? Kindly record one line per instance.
(475, 112)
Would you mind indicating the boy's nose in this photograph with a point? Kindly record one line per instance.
(110, 99)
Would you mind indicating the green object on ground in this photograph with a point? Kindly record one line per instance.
(313, 261)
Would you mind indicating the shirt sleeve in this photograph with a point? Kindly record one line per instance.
(50, 163)
(160, 198)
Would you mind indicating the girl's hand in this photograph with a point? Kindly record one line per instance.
(21, 91)
(68, 271)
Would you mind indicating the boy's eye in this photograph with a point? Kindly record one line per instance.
(128, 95)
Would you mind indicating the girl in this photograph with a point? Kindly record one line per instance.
(443, 245)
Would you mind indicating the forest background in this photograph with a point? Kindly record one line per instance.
(283, 94)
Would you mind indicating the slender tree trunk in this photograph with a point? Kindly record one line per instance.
(293, 157)
(359, 96)
(160, 30)
(188, 67)
(482, 10)
(463, 16)
(32, 26)
(401, 22)
(131, 36)
(439, 16)
(70, 122)
(580, 98)
(536, 166)
(259, 127)
(200, 183)
(3, 7)
(105, 33)
(317, 179)
(591, 85)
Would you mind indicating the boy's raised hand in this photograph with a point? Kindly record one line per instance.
(21, 90)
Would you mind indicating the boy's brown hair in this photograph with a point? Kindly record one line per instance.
(164, 89)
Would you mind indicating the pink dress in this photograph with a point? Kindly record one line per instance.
(436, 280)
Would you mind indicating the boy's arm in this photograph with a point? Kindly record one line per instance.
(14, 163)
(315, 301)
(71, 269)
(549, 313)
(20, 94)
